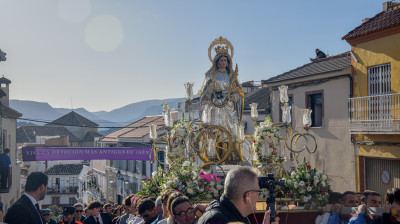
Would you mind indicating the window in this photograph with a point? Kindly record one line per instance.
(291, 109)
(143, 167)
(379, 80)
(315, 102)
(55, 200)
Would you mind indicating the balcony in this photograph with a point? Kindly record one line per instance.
(63, 190)
(375, 114)
(8, 185)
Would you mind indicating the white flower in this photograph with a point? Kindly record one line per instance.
(212, 184)
(305, 199)
(323, 183)
(219, 186)
(324, 177)
(296, 185)
(317, 174)
(297, 176)
(309, 188)
(303, 191)
(154, 174)
(189, 191)
(194, 174)
(169, 183)
(316, 177)
(186, 164)
(301, 183)
(216, 194)
(308, 176)
(289, 182)
(316, 181)
(293, 174)
(184, 172)
(331, 188)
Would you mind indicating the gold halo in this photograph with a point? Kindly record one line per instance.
(218, 41)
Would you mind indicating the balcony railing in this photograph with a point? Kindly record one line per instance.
(7, 187)
(63, 190)
(375, 114)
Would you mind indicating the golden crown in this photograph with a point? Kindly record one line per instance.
(220, 49)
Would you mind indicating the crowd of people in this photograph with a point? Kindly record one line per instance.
(236, 205)
(335, 214)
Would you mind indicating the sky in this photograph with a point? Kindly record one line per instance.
(102, 55)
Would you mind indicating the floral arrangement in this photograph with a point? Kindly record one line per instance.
(308, 184)
(194, 184)
(177, 140)
(153, 185)
(185, 178)
(266, 141)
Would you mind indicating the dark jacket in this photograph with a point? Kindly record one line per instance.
(221, 211)
(23, 211)
(104, 216)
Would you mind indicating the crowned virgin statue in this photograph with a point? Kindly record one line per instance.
(221, 95)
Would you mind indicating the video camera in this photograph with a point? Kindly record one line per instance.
(269, 182)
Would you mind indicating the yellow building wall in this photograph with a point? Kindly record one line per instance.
(375, 52)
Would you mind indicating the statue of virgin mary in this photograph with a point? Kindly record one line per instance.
(221, 95)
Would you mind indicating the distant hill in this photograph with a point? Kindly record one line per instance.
(116, 118)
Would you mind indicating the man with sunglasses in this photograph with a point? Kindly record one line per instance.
(79, 212)
(47, 216)
(183, 211)
(238, 201)
(68, 216)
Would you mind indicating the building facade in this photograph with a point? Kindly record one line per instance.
(123, 177)
(375, 105)
(323, 86)
(8, 124)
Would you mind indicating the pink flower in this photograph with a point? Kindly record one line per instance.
(215, 177)
(199, 184)
(206, 176)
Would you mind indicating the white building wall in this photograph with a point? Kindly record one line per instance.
(335, 153)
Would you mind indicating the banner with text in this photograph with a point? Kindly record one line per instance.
(47, 154)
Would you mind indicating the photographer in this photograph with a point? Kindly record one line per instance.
(238, 201)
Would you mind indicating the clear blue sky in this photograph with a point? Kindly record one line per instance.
(106, 54)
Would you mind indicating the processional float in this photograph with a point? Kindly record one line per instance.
(216, 136)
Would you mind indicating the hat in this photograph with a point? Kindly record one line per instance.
(68, 210)
(45, 211)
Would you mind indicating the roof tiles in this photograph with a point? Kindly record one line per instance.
(317, 67)
(381, 21)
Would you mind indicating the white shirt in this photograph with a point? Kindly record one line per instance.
(100, 220)
(136, 220)
(34, 202)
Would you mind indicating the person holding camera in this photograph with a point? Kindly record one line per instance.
(238, 201)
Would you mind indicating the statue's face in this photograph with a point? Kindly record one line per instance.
(223, 62)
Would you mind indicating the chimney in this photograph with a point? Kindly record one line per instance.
(4, 82)
(388, 5)
(365, 20)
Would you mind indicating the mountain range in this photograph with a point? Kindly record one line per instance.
(39, 113)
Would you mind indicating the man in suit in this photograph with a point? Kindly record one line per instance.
(97, 217)
(26, 209)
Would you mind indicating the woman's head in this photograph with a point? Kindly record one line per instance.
(222, 61)
(170, 199)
